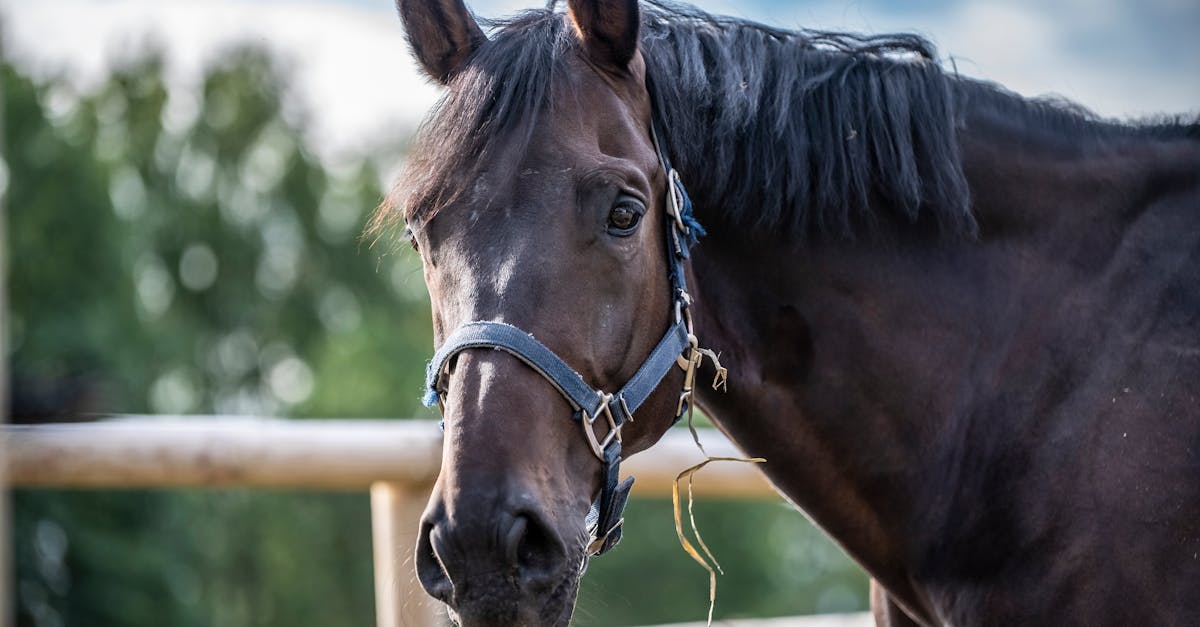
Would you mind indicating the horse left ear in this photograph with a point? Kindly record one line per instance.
(608, 30)
(443, 35)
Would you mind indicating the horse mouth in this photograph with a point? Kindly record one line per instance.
(556, 613)
(564, 598)
(554, 609)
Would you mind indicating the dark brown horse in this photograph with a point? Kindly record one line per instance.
(962, 327)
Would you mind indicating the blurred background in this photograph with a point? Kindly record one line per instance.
(186, 186)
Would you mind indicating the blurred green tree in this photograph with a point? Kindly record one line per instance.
(190, 256)
(176, 253)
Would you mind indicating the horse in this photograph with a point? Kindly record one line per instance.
(962, 327)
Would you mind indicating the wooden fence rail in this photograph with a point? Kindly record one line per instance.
(396, 460)
(214, 451)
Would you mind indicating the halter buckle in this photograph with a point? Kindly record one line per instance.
(598, 543)
(689, 365)
(675, 207)
(589, 421)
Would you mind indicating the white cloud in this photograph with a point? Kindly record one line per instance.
(358, 83)
(351, 66)
(1032, 46)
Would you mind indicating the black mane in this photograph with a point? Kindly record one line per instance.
(798, 132)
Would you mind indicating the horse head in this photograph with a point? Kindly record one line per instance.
(538, 202)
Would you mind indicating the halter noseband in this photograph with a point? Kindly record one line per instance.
(678, 347)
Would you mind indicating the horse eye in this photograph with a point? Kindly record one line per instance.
(411, 239)
(624, 217)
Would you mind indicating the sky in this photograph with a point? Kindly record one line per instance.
(354, 77)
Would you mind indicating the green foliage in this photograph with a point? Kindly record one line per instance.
(776, 564)
(177, 263)
(203, 265)
(176, 253)
(193, 558)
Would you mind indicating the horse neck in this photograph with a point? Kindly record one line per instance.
(860, 370)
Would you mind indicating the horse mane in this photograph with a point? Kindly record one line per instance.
(798, 132)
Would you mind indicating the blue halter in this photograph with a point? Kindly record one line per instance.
(677, 347)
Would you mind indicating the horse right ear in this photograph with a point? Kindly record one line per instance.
(608, 30)
(443, 35)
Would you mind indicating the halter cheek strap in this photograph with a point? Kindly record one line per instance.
(678, 347)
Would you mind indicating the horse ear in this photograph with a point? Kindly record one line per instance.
(443, 34)
(608, 30)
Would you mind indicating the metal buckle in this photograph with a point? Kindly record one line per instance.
(589, 421)
(675, 206)
(599, 541)
(689, 365)
(683, 302)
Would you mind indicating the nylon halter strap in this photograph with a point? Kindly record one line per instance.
(678, 347)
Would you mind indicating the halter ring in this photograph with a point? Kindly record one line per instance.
(589, 423)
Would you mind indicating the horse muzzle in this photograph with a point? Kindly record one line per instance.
(498, 564)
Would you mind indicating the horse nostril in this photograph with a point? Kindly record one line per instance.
(430, 572)
(512, 542)
(535, 551)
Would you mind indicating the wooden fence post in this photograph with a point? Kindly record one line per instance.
(7, 606)
(395, 520)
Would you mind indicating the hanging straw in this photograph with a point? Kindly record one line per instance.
(710, 564)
